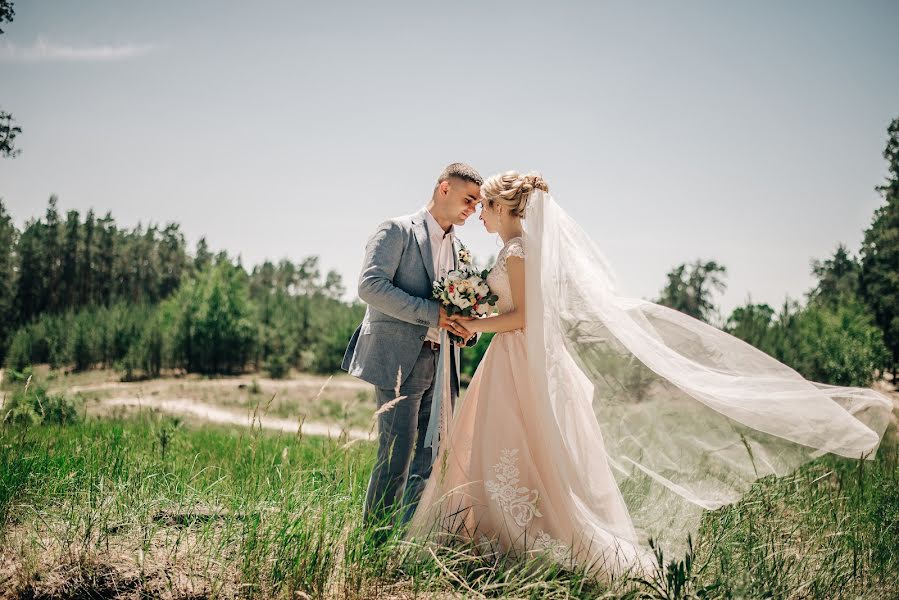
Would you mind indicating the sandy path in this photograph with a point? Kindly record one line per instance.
(307, 383)
(168, 395)
(216, 414)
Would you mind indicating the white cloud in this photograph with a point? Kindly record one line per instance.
(45, 50)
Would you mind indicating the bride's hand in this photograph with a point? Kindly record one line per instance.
(453, 324)
(472, 325)
(465, 324)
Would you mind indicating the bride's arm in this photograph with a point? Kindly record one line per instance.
(514, 319)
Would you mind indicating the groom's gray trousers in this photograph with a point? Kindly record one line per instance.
(403, 464)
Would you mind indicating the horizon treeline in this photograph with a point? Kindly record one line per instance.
(83, 292)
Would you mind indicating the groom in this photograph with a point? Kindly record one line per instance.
(399, 339)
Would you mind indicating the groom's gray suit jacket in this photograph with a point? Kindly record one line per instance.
(396, 282)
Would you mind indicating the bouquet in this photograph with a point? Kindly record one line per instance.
(464, 291)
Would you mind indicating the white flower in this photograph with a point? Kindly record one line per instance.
(459, 299)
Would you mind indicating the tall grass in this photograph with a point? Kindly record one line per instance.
(152, 507)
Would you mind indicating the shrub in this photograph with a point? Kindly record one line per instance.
(32, 405)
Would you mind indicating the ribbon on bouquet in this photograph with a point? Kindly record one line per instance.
(441, 403)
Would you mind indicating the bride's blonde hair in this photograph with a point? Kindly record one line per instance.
(512, 190)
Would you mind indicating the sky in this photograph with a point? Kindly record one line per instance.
(746, 133)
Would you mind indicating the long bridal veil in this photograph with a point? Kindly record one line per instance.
(685, 415)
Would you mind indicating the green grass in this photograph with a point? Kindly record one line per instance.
(151, 508)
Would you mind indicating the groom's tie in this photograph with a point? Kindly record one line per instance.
(445, 262)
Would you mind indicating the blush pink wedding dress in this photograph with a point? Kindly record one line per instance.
(497, 480)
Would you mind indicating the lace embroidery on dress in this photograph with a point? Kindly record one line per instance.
(521, 502)
(514, 247)
(556, 549)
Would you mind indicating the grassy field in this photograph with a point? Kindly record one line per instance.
(149, 505)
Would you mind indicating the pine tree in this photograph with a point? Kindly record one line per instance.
(86, 267)
(69, 262)
(880, 255)
(203, 258)
(8, 279)
(172, 260)
(31, 295)
(107, 247)
(52, 266)
(837, 278)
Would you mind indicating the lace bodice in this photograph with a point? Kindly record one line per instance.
(498, 278)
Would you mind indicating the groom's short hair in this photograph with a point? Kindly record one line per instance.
(461, 171)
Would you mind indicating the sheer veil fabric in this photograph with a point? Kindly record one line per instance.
(683, 415)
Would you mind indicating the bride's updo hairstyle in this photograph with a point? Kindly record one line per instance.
(512, 190)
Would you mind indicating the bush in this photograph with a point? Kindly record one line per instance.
(32, 405)
(82, 344)
(19, 356)
(277, 366)
(13, 376)
(840, 345)
(146, 353)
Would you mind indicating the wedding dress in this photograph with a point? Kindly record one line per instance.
(610, 420)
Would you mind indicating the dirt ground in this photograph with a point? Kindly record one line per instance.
(323, 404)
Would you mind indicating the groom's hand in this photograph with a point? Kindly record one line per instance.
(453, 324)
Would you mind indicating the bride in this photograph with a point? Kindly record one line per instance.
(595, 421)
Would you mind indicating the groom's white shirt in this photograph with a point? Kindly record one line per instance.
(442, 251)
